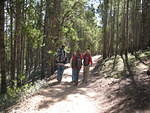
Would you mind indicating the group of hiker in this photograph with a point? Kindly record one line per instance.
(77, 60)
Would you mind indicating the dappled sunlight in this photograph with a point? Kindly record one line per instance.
(46, 49)
(63, 97)
(120, 65)
(69, 99)
(99, 95)
(141, 67)
(73, 104)
(125, 96)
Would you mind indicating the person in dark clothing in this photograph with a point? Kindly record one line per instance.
(76, 64)
(60, 61)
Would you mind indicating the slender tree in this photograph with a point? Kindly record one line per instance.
(52, 33)
(18, 30)
(2, 49)
(104, 19)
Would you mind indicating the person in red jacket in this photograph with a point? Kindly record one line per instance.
(87, 61)
(76, 64)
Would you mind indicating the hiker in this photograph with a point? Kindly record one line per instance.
(60, 61)
(76, 64)
(87, 61)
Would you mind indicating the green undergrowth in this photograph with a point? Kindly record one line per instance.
(16, 94)
(117, 69)
(141, 56)
(109, 70)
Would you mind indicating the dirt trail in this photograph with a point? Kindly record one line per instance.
(100, 95)
(61, 98)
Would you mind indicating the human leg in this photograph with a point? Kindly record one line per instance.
(60, 70)
(85, 74)
(73, 75)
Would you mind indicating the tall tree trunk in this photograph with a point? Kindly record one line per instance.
(6, 43)
(52, 33)
(127, 38)
(40, 27)
(117, 33)
(18, 28)
(104, 19)
(2, 49)
(146, 24)
(12, 44)
(112, 23)
(44, 48)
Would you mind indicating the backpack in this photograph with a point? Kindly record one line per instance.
(86, 60)
(76, 62)
(61, 56)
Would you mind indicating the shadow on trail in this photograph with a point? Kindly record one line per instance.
(134, 97)
(57, 92)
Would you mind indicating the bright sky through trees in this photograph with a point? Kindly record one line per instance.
(95, 4)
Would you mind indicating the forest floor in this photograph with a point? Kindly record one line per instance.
(102, 94)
